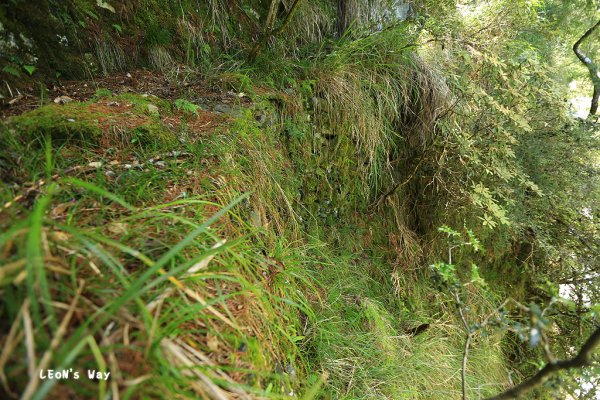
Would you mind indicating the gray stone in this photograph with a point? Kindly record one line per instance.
(153, 110)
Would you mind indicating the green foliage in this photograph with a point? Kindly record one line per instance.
(102, 93)
(11, 70)
(30, 69)
(186, 107)
(356, 146)
(157, 35)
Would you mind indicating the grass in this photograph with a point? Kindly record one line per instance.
(385, 100)
(123, 291)
(128, 245)
(122, 252)
(361, 337)
(162, 274)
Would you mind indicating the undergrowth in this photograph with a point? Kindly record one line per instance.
(272, 239)
(149, 264)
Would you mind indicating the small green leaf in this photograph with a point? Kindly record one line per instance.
(30, 69)
(473, 241)
(186, 106)
(92, 14)
(449, 231)
(475, 277)
(11, 70)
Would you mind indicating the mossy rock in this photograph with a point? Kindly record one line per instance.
(95, 123)
(73, 121)
(153, 133)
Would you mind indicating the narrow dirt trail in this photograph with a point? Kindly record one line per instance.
(154, 83)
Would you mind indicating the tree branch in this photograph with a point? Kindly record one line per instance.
(582, 359)
(270, 30)
(582, 57)
(590, 65)
(463, 372)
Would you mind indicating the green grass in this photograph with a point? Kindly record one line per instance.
(284, 305)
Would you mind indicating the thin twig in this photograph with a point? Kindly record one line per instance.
(582, 359)
(467, 345)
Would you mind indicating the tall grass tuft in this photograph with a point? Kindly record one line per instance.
(383, 96)
(149, 284)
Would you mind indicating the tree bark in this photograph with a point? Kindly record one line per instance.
(582, 359)
(591, 66)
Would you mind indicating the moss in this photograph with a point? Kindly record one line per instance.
(88, 122)
(141, 102)
(236, 81)
(153, 133)
(72, 121)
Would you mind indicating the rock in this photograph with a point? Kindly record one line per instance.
(153, 110)
(63, 100)
(222, 108)
(261, 118)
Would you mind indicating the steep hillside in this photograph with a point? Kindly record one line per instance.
(400, 207)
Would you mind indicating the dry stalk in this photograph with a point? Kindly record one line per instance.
(56, 340)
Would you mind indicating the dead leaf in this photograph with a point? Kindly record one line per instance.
(212, 342)
(61, 236)
(59, 210)
(118, 228)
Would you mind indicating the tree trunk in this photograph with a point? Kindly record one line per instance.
(591, 66)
